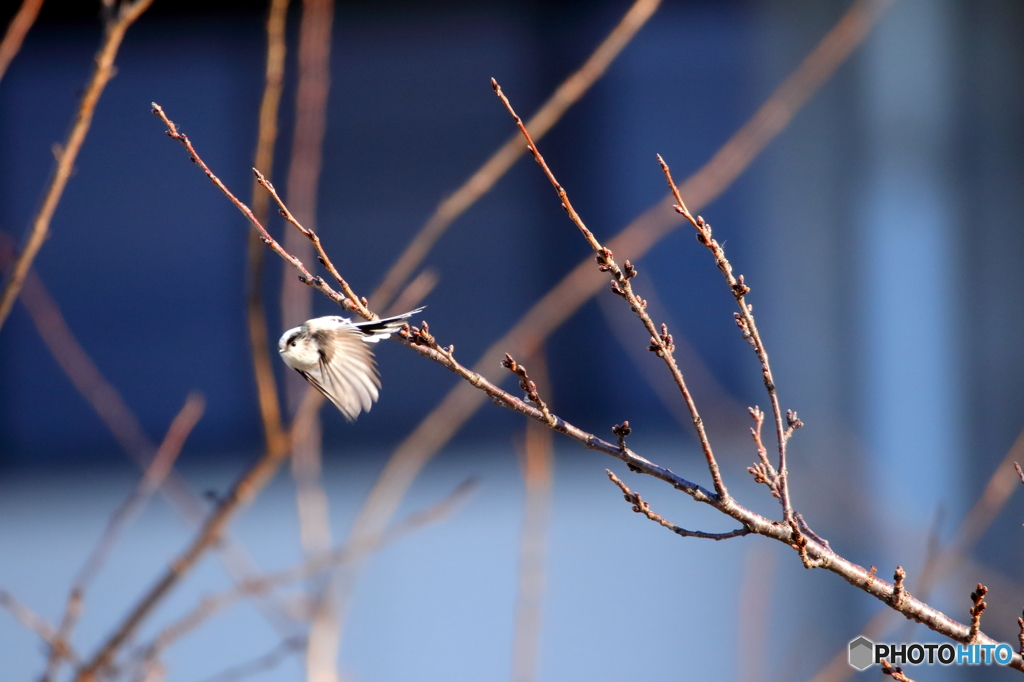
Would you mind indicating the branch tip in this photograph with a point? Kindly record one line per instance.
(978, 608)
(899, 592)
(642, 507)
(621, 431)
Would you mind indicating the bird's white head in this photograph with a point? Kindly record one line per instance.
(297, 349)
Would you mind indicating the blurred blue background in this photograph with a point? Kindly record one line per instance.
(881, 232)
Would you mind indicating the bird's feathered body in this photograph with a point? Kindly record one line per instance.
(333, 354)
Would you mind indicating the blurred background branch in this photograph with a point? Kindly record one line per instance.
(116, 26)
(16, 31)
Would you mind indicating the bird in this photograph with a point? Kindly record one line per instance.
(333, 354)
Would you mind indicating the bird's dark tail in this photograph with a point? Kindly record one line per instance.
(385, 326)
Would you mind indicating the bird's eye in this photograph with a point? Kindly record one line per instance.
(292, 344)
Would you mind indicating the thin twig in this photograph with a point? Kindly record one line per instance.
(527, 385)
(305, 276)
(763, 471)
(151, 481)
(739, 151)
(357, 304)
(16, 31)
(745, 321)
(114, 32)
(563, 300)
(642, 507)
(978, 606)
(478, 184)
(37, 624)
(424, 343)
(421, 340)
(661, 341)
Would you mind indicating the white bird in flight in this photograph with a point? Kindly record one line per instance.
(333, 354)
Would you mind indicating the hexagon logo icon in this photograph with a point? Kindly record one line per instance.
(862, 652)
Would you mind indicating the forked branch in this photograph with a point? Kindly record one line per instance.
(661, 340)
(305, 276)
(813, 550)
(745, 321)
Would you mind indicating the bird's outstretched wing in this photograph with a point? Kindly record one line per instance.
(347, 373)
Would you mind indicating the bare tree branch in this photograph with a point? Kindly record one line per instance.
(565, 298)
(661, 341)
(813, 552)
(266, 387)
(115, 29)
(37, 624)
(242, 492)
(314, 50)
(119, 419)
(354, 302)
(136, 501)
(974, 524)
(16, 31)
